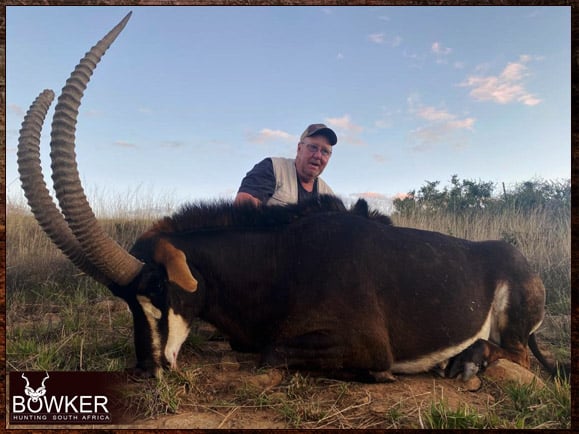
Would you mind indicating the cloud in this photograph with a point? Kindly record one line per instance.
(93, 113)
(442, 117)
(347, 131)
(527, 58)
(403, 196)
(377, 38)
(529, 99)
(412, 101)
(433, 114)
(440, 52)
(505, 88)
(340, 56)
(426, 136)
(344, 123)
(379, 158)
(124, 144)
(267, 135)
(396, 41)
(388, 118)
(352, 139)
(513, 72)
(380, 38)
(16, 109)
(383, 123)
(370, 195)
(442, 126)
(437, 48)
(461, 124)
(172, 144)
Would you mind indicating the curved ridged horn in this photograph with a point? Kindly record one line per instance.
(45, 378)
(44, 209)
(108, 256)
(27, 382)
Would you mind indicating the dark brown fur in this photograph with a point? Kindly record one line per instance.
(322, 287)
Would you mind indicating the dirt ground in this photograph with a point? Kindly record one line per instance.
(219, 388)
(230, 391)
(365, 406)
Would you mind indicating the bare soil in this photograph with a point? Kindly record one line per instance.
(219, 388)
(229, 390)
(232, 392)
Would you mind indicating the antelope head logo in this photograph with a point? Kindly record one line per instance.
(35, 395)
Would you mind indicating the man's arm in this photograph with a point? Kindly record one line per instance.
(258, 184)
(246, 197)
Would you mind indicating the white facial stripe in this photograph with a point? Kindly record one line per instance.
(148, 307)
(153, 315)
(425, 363)
(178, 332)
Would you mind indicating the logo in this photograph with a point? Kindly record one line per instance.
(62, 398)
(35, 395)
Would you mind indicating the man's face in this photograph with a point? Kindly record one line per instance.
(312, 157)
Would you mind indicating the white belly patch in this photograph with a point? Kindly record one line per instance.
(428, 361)
(497, 319)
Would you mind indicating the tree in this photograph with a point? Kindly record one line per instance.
(540, 193)
(466, 194)
(461, 195)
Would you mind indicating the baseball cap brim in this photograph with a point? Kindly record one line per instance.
(321, 130)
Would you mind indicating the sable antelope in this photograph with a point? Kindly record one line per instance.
(310, 286)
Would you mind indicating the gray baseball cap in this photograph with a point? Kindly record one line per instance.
(320, 129)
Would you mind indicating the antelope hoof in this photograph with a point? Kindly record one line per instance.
(383, 376)
(469, 370)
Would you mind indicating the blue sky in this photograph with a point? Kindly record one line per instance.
(188, 99)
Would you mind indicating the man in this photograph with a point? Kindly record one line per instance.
(283, 181)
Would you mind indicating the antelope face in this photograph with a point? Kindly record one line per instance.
(162, 317)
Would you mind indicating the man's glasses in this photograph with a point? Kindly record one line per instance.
(315, 148)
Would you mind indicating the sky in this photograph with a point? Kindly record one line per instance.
(188, 99)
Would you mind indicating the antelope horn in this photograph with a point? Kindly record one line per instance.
(101, 250)
(45, 378)
(43, 207)
(27, 382)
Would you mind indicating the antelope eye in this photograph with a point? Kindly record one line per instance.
(153, 283)
(158, 288)
(155, 289)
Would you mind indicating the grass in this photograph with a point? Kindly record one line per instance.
(57, 328)
(529, 406)
(441, 416)
(526, 406)
(58, 319)
(164, 395)
(301, 401)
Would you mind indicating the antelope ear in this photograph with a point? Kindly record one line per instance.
(175, 263)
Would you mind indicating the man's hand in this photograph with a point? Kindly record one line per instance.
(246, 197)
